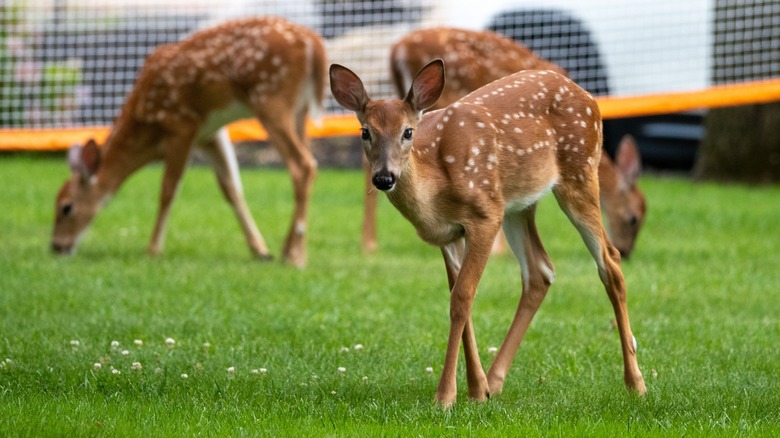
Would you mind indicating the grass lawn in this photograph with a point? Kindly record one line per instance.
(276, 351)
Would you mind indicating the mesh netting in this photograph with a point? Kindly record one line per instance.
(70, 63)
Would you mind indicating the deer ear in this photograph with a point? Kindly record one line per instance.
(427, 86)
(84, 160)
(347, 88)
(628, 160)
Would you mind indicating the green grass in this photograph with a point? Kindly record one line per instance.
(704, 288)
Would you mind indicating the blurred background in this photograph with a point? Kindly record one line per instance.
(67, 65)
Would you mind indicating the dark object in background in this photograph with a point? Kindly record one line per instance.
(741, 145)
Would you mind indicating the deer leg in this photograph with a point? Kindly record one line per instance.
(478, 242)
(222, 156)
(302, 167)
(582, 208)
(475, 375)
(177, 155)
(369, 211)
(537, 272)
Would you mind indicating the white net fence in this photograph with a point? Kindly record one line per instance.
(70, 63)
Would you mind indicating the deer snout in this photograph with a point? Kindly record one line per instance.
(61, 249)
(384, 180)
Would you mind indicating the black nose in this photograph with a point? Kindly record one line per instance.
(61, 249)
(624, 253)
(383, 181)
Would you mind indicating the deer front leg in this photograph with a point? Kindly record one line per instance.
(177, 153)
(475, 375)
(477, 252)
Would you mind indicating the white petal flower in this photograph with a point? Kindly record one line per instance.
(343, 349)
(115, 371)
(97, 366)
(114, 344)
(184, 376)
(358, 347)
(429, 370)
(74, 343)
(136, 366)
(263, 370)
(138, 342)
(365, 378)
(342, 370)
(231, 370)
(492, 350)
(207, 345)
(125, 352)
(170, 342)
(254, 371)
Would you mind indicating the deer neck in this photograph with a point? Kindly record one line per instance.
(130, 146)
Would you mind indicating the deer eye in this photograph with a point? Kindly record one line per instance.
(633, 220)
(66, 209)
(364, 134)
(408, 134)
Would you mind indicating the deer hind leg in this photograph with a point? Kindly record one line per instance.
(369, 211)
(581, 205)
(475, 375)
(177, 149)
(538, 273)
(282, 126)
(222, 155)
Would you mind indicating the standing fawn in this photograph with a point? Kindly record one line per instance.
(268, 68)
(472, 63)
(459, 173)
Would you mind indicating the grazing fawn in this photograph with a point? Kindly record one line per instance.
(268, 68)
(471, 63)
(458, 174)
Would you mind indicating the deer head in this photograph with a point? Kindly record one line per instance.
(78, 200)
(623, 203)
(388, 135)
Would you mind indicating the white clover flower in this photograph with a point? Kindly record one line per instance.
(184, 375)
(125, 352)
(263, 370)
(114, 344)
(492, 350)
(158, 370)
(207, 345)
(97, 366)
(343, 349)
(231, 370)
(365, 378)
(115, 371)
(8, 360)
(170, 342)
(333, 392)
(136, 366)
(254, 371)
(138, 342)
(342, 370)
(358, 347)
(429, 369)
